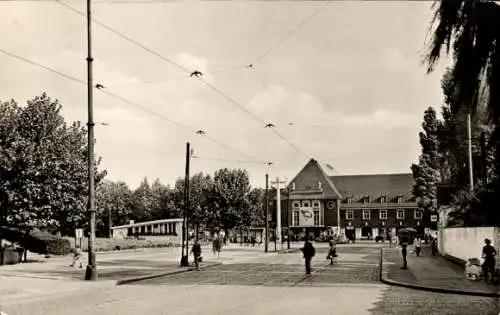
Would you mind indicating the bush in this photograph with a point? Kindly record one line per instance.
(11, 256)
(45, 243)
(111, 244)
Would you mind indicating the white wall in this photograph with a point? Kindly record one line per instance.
(465, 243)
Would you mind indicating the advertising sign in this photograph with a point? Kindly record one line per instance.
(306, 216)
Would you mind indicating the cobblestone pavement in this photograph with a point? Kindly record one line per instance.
(402, 301)
(354, 265)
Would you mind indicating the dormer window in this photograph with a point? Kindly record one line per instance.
(382, 199)
(320, 185)
(367, 199)
(293, 186)
(349, 199)
(400, 199)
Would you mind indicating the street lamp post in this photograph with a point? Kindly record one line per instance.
(91, 271)
(185, 230)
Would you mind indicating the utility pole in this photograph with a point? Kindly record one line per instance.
(266, 207)
(91, 272)
(278, 210)
(484, 169)
(185, 230)
(469, 133)
(109, 224)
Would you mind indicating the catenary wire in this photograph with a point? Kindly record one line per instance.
(145, 109)
(293, 31)
(170, 61)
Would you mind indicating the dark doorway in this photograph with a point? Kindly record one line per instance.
(366, 232)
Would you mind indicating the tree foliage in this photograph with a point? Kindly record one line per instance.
(470, 30)
(43, 166)
(427, 173)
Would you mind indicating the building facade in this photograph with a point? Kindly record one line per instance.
(167, 228)
(362, 206)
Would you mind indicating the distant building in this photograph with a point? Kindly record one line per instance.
(314, 203)
(168, 228)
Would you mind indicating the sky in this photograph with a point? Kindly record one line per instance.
(350, 80)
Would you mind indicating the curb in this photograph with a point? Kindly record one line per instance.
(427, 288)
(159, 275)
(288, 251)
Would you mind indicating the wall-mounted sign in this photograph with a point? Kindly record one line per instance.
(306, 216)
(434, 217)
(331, 205)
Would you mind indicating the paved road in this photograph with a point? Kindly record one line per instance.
(265, 285)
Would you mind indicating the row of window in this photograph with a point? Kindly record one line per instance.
(306, 204)
(400, 215)
(169, 228)
(368, 199)
(316, 203)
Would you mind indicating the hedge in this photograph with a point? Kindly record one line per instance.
(112, 244)
(45, 243)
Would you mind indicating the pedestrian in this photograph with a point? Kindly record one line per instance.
(434, 247)
(216, 246)
(418, 245)
(332, 251)
(308, 252)
(404, 252)
(489, 254)
(77, 257)
(196, 250)
(389, 236)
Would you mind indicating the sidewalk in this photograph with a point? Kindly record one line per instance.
(41, 277)
(115, 266)
(431, 273)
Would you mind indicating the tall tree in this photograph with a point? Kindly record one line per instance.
(113, 201)
(256, 200)
(143, 202)
(43, 167)
(229, 204)
(427, 172)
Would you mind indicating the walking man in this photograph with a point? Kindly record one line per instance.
(196, 250)
(404, 252)
(418, 245)
(489, 254)
(308, 251)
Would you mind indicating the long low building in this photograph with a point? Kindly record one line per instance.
(170, 228)
(364, 206)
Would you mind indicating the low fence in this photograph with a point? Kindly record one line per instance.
(462, 243)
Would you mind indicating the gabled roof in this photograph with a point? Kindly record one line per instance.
(314, 163)
(388, 185)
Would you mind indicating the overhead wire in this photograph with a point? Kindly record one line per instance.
(170, 1)
(125, 100)
(293, 31)
(228, 160)
(170, 61)
(176, 78)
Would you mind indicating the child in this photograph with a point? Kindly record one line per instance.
(332, 252)
(77, 257)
